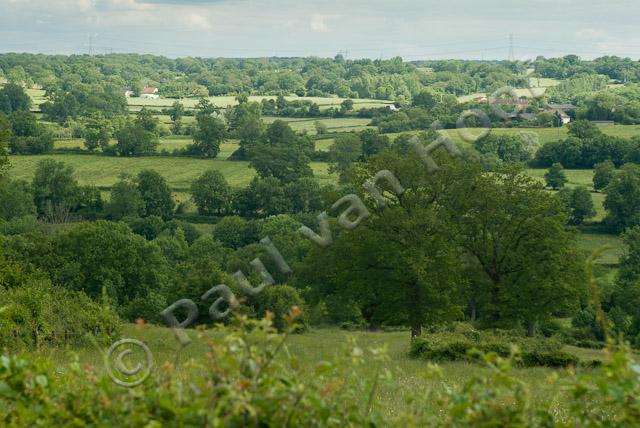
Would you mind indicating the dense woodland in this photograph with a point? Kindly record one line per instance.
(473, 251)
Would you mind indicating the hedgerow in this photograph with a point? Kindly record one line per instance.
(249, 379)
(454, 346)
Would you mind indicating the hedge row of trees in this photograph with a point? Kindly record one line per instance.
(586, 146)
(391, 79)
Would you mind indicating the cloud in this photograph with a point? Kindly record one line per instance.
(413, 29)
(591, 33)
(319, 22)
(184, 2)
(196, 21)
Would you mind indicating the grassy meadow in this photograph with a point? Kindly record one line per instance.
(105, 171)
(225, 101)
(315, 346)
(537, 88)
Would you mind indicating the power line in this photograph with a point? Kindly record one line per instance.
(91, 38)
(512, 55)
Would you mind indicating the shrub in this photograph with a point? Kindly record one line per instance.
(279, 299)
(452, 346)
(37, 314)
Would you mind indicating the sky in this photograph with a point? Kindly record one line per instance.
(412, 29)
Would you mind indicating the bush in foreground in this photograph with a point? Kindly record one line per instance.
(249, 379)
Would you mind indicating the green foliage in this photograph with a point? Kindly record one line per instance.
(38, 314)
(156, 194)
(555, 178)
(135, 140)
(579, 204)
(321, 128)
(211, 193)
(24, 134)
(14, 98)
(622, 199)
(625, 298)
(506, 148)
(343, 153)
(451, 346)
(235, 232)
(125, 200)
(304, 195)
(150, 226)
(281, 153)
(603, 174)
(586, 146)
(279, 300)
(584, 129)
(249, 379)
(524, 262)
(373, 142)
(97, 132)
(54, 187)
(82, 99)
(100, 257)
(262, 197)
(210, 133)
(16, 199)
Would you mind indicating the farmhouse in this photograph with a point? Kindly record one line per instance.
(527, 116)
(563, 107)
(150, 96)
(149, 91)
(520, 103)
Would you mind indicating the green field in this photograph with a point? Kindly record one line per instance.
(230, 100)
(546, 135)
(351, 124)
(316, 346)
(175, 142)
(591, 242)
(135, 104)
(104, 171)
(538, 87)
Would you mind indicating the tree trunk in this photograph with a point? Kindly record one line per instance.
(416, 331)
(473, 312)
(531, 327)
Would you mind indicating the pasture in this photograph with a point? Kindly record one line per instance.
(315, 346)
(308, 125)
(105, 171)
(545, 135)
(225, 101)
(537, 87)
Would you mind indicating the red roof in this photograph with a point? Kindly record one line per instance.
(149, 90)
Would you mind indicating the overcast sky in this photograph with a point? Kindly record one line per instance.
(413, 29)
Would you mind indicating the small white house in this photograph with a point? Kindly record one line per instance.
(150, 96)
